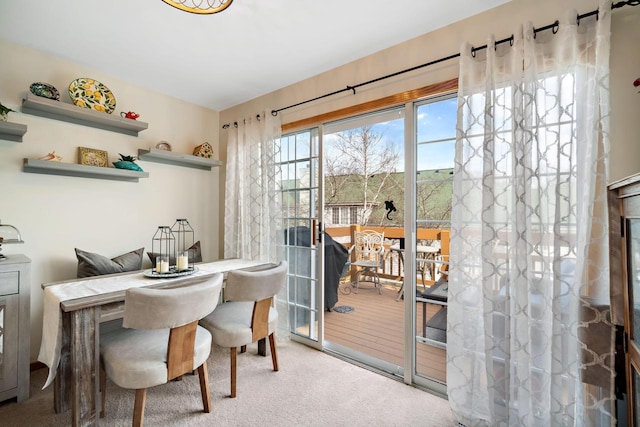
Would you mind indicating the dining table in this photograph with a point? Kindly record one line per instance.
(73, 313)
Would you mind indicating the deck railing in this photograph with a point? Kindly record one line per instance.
(393, 268)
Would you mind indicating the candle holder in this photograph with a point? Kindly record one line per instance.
(184, 236)
(182, 260)
(162, 264)
(163, 244)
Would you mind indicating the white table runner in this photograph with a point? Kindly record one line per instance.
(58, 293)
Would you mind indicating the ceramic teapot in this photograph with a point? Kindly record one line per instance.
(129, 115)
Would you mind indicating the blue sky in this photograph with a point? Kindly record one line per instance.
(436, 121)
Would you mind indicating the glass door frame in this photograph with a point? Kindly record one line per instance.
(355, 121)
(411, 375)
(315, 220)
(408, 372)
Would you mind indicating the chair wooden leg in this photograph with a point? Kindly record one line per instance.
(234, 357)
(274, 354)
(243, 349)
(204, 387)
(138, 407)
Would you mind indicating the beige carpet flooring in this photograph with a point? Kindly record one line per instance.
(311, 389)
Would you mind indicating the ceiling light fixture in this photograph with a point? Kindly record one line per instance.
(201, 7)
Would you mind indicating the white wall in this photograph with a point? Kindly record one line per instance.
(56, 214)
(501, 21)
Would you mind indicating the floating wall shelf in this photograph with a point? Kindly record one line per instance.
(12, 131)
(179, 159)
(83, 171)
(44, 107)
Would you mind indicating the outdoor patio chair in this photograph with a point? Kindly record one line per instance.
(368, 255)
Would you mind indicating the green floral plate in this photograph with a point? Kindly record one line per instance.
(90, 93)
(44, 90)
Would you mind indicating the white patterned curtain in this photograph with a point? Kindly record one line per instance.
(253, 210)
(529, 337)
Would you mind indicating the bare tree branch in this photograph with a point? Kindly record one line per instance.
(362, 153)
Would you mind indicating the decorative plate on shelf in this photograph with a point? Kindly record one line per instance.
(44, 90)
(163, 145)
(90, 93)
(172, 273)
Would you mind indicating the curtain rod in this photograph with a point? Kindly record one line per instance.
(235, 124)
(553, 27)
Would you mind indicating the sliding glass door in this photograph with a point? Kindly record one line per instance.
(301, 196)
(363, 159)
(432, 163)
(391, 172)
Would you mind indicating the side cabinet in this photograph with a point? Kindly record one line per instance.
(626, 207)
(14, 327)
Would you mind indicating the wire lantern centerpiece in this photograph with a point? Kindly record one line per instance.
(163, 245)
(184, 244)
(183, 233)
(200, 7)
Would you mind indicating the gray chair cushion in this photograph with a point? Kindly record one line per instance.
(136, 358)
(230, 323)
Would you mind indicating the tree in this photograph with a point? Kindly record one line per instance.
(360, 154)
(433, 198)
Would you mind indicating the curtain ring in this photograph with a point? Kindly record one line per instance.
(274, 113)
(556, 26)
(473, 52)
(225, 126)
(258, 117)
(235, 124)
(511, 40)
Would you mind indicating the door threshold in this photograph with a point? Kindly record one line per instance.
(364, 361)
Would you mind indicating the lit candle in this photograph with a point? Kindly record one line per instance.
(182, 261)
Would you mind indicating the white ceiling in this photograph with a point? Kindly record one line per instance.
(221, 60)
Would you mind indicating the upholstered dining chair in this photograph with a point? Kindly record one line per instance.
(248, 314)
(160, 340)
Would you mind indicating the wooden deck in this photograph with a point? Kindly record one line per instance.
(375, 328)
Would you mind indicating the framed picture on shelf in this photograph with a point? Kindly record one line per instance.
(93, 157)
